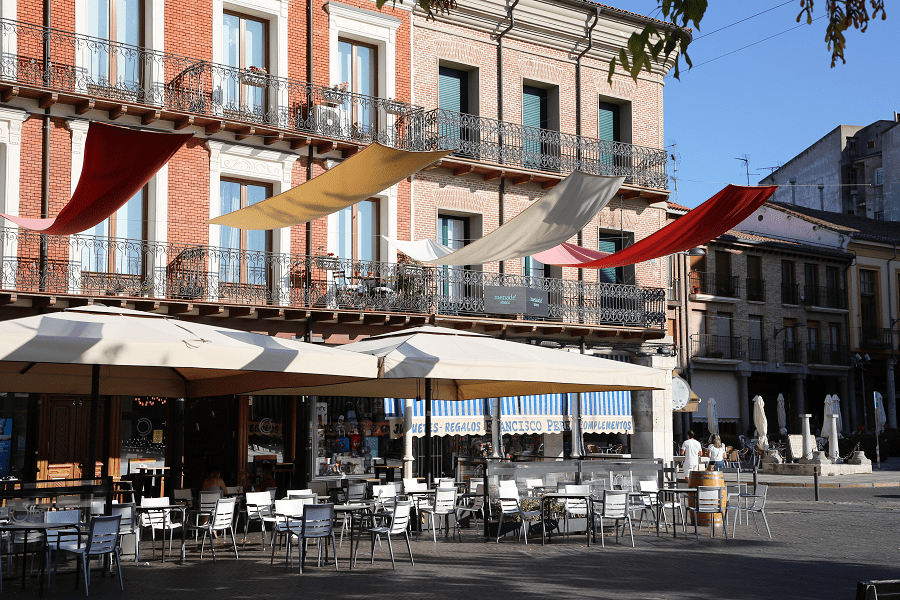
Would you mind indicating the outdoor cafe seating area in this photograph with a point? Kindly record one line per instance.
(584, 502)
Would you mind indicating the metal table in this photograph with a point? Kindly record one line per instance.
(661, 497)
(546, 498)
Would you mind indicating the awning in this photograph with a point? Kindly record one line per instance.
(118, 162)
(558, 216)
(369, 172)
(711, 219)
(448, 417)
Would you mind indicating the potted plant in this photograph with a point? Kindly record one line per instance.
(328, 261)
(336, 95)
(393, 107)
(255, 76)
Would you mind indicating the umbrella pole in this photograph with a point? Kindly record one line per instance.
(426, 471)
(95, 422)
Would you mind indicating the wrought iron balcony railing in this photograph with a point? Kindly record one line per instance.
(875, 338)
(716, 346)
(758, 349)
(825, 297)
(99, 266)
(756, 290)
(101, 69)
(515, 145)
(827, 354)
(790, 293)
(792, 352)
(715, 284)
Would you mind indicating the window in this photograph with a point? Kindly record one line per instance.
(453, 232)
(457, 94)
(879, 216)
(789, 292)
(608, 123)
(792, 353)
(724, 282)
(756, 344)
(879, 176)
(121, 22)
(868, 301)
(834, 335)
(533, 268)
(359, 70)
(359, 231)
(535, 115)
(613, 241)
(811, 288)
(756, 290)
(724, 343)
(242, 258)
(121, 258)
(244, 47)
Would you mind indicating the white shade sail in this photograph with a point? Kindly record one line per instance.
(558, 216)
(463, 365)
(154, 355)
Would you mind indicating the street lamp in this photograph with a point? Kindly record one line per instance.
(861, 362)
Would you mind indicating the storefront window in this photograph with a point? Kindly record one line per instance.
(265, 439)
(13, 419)
(143, 433)
(350, 434)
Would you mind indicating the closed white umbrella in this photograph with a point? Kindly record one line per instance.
(836, 407)
(880, 418)
(782, 416)
(762, 424)
(712, 416)
(825, 432)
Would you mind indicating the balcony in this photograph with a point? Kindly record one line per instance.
(716, 346)
(715, 284)
(756, 290)
(758, 350)
(875, 338)
(121, 268)
(825, 297)
(792, 352)
(827, 354)
(97, 73)
(517, 146)
(790, 293)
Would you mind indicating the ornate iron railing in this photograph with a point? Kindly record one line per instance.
(756, 290)
(875, 338)
(715, 284)
(792, 352)
(827, 354)
(100, 266)
(825, 297)
(515, 145)
(716, 346)
(758, 349)
(103, 69)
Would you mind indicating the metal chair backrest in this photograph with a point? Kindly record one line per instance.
(474, 482)
(445, 501)
(318, 520)
(291, 507)
(478, 498)
(509, 505)
(272, 494)
(208, 500)
(533, 483)
(577, 503)
(446, 482)
(383, 492)
(615, 504)
(400, 519)
(318, 487)
(622, 481)
(127, 512)
(223, 516)
(258, 504)
(734, 470)
(648, 486)
(356, 492)
(233, 489)
(708, 499)
(414, 485)
(293, 493)
(72, 516)
(398, 488)
(183, 495)
(155, 518)
(508, 489)
(103, 535)
(760, 502)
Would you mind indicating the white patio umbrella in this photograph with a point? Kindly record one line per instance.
(762, 424)
(836, 406)
(880, 418)
(782, 416)
(825, 432)
(145, 354)
(712, 418)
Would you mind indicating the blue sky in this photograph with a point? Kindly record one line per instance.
(771, 100)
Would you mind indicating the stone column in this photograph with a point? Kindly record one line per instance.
(799, 393)
(846, 400)
(408, 458)
(807, 448)
(496, 437)
(652, 415)
(833, 452)
(890, 404)
(744, 401)
(575, 416)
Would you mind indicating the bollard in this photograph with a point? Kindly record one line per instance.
(816, 481)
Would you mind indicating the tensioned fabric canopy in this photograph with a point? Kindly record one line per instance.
(146, 354)
(556, 217)
(369, 172)
(118, 162)
(709, 220)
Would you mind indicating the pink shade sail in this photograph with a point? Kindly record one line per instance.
(118, 162)
(711, 219)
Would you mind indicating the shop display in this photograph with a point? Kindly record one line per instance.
(349, 435)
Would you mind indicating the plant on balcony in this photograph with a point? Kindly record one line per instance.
(410, 274)
(336, 94)
(328, 261)
(393, 107)
(254, 76)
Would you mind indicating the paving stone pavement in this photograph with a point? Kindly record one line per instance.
(820, 550)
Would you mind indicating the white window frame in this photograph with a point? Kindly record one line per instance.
(10, 161)
(250, 164)
(369, 27)
(878, 176)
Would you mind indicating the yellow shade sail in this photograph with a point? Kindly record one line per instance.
(361, 176)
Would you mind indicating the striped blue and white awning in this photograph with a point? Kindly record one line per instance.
(448, 417)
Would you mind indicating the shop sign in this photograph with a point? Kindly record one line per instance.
(157, 436)
(515, 300)
(265, 427)
(441, 426)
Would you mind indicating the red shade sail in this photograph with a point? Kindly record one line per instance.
(118, 162)
(709, 220)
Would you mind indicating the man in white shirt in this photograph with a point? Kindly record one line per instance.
(691, 450)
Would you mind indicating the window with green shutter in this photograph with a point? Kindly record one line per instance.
(534, 115)
(453, 96)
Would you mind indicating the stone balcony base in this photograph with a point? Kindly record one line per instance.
(824, 470)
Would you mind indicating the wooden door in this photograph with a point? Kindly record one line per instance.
(65, 432)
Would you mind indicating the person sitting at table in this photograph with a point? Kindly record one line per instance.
(717, 453)
(690, 449)
(267, 481)
(214, 481)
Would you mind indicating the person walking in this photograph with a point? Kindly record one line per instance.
(690, 449)
(717, 453)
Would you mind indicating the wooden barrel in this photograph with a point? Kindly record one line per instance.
(707, 479)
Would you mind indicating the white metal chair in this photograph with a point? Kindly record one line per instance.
(356, 492)
(511, 509)
(414, 485)
(300, 493)
(532, 484)
(285, 511)
(183, 496)
(757, 508)
(399, 525)
(575, 507)
(258, 507)
(128, 526)
(220, 519)
(649, 489)
(55, 537)
(474, 507)
(444, 506)
(317, 524)
(103, 540)
(158, 520)
(709, 502)
(615, 508)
